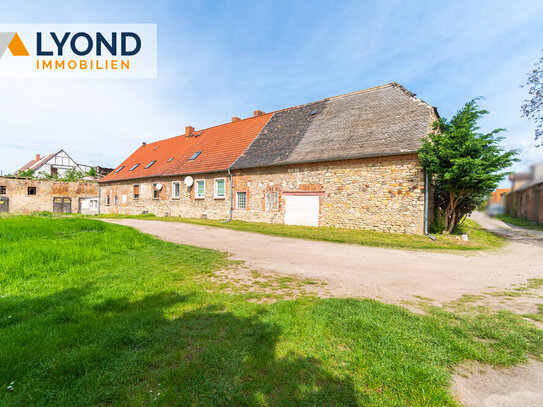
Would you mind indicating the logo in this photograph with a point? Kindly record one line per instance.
(14, 43)
(78, 50)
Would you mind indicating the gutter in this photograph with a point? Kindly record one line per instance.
(426, 184)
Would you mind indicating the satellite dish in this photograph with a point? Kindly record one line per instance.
(158, 187)
(189, 181)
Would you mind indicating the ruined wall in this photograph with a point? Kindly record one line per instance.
(20, 201)
(384, 194)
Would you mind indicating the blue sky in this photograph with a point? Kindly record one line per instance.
(220, 59)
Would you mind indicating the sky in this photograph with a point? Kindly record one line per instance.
(219, 59)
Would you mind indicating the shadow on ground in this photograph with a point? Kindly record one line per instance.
(71, 348)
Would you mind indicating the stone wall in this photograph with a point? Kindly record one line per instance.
(384, 194)
(20, 201)
(165, 205)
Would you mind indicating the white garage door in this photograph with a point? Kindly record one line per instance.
(302, 210)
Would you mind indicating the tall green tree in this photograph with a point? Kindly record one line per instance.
(464, 164)
(533, 107)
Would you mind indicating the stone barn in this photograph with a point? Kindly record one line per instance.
(347, 161)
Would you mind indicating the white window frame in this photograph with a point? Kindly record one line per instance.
(237, 200)
(267, 206)
(173, 190)
(216, 194)
(196, 193)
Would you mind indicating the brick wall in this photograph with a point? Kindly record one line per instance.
(527, 203)
(384, 194)
(21, 202)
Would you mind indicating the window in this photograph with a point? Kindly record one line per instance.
(241, 200)
(170, 160)
(134, 167)
(176, 189)
(220, 187)
(272, 201)
(195, 155)
(2, 189)
(31, 191)
(136, 191)
(156, 192)
(115, 201)
(150, 164)
(200, 189)
(108, 200)
(119, 169)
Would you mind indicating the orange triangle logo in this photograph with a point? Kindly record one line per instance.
(17, 47)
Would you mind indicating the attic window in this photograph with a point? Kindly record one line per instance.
(150, 164)
(314, 112)
(195, 155)
(119, 169)
(155, 148)
(170, 159)
(134, 167)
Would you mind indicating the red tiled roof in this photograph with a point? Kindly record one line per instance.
(220, 146)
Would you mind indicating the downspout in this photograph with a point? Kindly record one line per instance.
(231, 197)
(99, 198)
(426, 187)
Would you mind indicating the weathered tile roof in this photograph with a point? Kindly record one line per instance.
(380, 121)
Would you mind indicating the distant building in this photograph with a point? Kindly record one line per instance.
(497, 196)
(526, 198)
(57, 164)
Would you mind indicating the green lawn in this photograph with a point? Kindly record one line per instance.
(98, 314)
(521, 222)
(479, 239)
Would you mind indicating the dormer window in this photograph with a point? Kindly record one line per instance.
(150, 164)
(134, 167)
(195, 155)
(119, 169)
(170, 160)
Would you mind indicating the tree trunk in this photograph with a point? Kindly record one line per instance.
(452, 223)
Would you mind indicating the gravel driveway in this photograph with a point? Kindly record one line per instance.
(389, 275)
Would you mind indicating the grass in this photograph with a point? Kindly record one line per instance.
(99, 314)
(480, 239)
(520, 222)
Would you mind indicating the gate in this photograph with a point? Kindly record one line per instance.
(62, 205)
(4, 204)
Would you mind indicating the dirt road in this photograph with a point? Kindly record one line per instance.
(389, 275)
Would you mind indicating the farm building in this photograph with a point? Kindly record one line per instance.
(348, 161)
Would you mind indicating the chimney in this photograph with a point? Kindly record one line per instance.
(257, 113)
(38, 158)
(188, 130)
(143, 143)
(235, 119)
